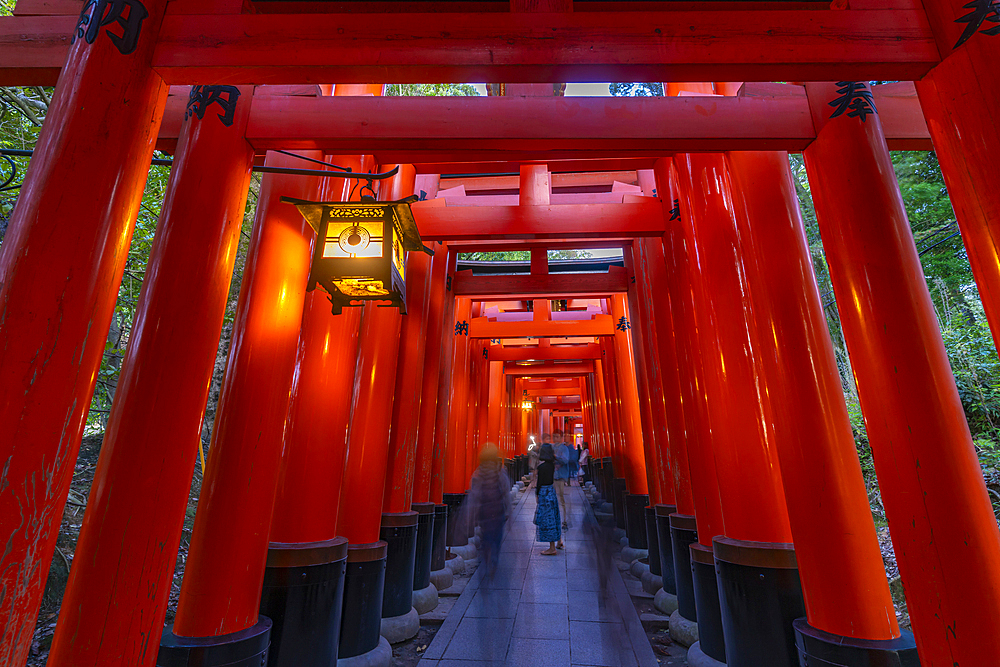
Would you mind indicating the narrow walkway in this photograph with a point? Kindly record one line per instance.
(549, 611)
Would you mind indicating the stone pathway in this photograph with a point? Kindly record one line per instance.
(549, 611)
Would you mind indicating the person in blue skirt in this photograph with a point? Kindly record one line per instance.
(547, 509)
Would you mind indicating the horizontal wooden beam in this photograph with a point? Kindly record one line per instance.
(582, 221)
(737, 45)
(555, 391)
(503, 353)
(551, 285)
(547, 370)
(427, 129)
(600, 325)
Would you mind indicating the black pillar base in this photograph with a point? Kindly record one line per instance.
(635, 519)
(425, 545)
(618, 492)
(399, 532)
(607, 477)
(683, 534)
(303, 595)
(706, 595)
(246, 648)
(820, 649)
(457, 536)
(363, 585)
(655, 567)
(760, 596)
(440, 535)
(664, 546)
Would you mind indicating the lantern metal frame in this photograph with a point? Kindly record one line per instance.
(352, 280)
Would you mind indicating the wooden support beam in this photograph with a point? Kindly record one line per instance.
(503, 353)
(742, 45)
(582, 221)
(551, 285)
(555, 391)
(600, 325)
(546, 370)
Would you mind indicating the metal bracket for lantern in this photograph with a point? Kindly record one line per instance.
(360, 250)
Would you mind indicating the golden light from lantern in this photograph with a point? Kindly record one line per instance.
(526, 403)
(360, 250)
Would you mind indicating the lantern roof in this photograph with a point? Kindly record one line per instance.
(312, 211)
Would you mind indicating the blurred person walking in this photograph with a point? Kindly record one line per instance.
(547, 509)
(562, 474)
(574, 463)
(489, 502)
(585, 463)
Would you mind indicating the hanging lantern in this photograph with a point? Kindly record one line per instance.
(361, 249)
(526, 403)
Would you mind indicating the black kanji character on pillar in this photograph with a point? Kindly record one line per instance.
(128, 14)
(462, 328)
(203, 97)
(486, 353)
(675, 212)
(854, 95)
(623, 324)
(982, 10)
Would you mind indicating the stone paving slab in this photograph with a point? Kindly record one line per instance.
(542, 610)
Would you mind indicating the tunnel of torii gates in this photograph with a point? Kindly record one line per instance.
(698, 368)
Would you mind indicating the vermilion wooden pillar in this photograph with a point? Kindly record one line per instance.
(661, 490)
(409, 375)
(839, 561)
(497, 404)
(426, 433)
(225, 567)
(455, 461)
(755, 553)
(155, 423)
(58, 285)
(961, 103)
(443, 413)
(361, 518)
(307, 503)
(943, 529)
(683, 276)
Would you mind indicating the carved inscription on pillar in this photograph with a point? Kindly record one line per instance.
(203, 97)
(982, 11)
(127, 15)
(855, 99)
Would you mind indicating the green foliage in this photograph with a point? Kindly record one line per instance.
(637, 89)
(431, 89)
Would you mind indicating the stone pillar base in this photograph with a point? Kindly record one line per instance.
(682, 630)
(442, 579)
(665, 603)
(380, 656)
(425, 599)
(395, 629)
(651, 583)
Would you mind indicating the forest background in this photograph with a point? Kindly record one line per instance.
(946, 268)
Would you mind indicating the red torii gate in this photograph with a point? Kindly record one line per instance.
(70, 277)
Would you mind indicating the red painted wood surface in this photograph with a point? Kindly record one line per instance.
(550, 285)
(443, 413)
(527, 353)
(547, 370)
(600, 325)
(963, 116)
(840, 564)
(809, 45)
(59, 282)
(447, 223)
(129, 538)
(634, 451)
(307, 503)
(458, 397)
(943, 528)
(409, 381)
(220, 593)
(427, 433)
(371, 411)
(684, 268)
(739, 409)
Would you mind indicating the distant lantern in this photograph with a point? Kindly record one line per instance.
(526, 403)
(361, 247)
